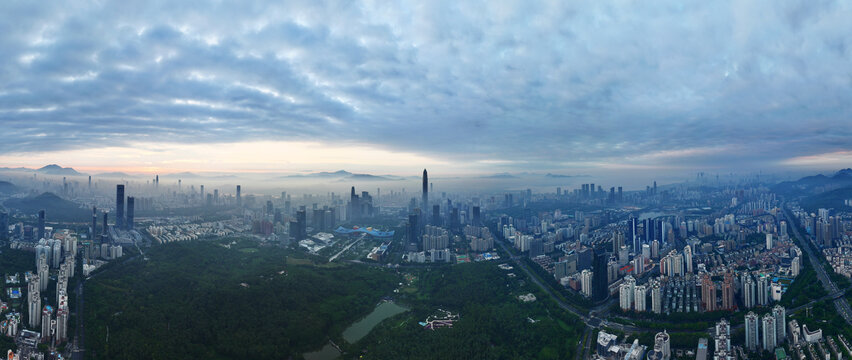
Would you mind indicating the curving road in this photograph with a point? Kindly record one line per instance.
(589, 318)
(592, 321)
(840, 303)
(78, 351)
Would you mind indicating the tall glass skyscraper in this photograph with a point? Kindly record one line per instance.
(119, 206)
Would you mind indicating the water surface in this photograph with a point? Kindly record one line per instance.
(362, 327)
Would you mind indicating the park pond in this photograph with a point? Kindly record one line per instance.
(359, 329)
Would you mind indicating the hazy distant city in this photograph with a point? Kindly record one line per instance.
(330, 180)
(734, 267)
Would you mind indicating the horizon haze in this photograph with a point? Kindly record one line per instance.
(574, 89)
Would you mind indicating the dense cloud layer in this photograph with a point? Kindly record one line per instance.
(544, 85)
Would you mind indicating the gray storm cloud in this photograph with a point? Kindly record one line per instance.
(541, 84)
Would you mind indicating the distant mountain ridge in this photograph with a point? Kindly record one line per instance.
(16, 169)
(499, 176)
(343, 175)
(56, 207)
(7, 188)
(815, 183)
(324, 174)
(833, 199)
(54, 169)
(114, 174)
(184, 175)
(51, 169)
(561, 176)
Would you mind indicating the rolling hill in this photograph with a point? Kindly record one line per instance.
(815, 184)
(54, 169)
(7, 188)
(55, 207)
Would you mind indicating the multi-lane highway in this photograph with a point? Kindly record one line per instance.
(840, 303)
(597, 316)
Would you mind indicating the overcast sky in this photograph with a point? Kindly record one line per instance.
(465, 86)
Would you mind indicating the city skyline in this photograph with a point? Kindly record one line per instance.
(329, 180)
(579, 88)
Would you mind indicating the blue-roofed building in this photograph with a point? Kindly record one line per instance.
(369, 231)
(701, 354)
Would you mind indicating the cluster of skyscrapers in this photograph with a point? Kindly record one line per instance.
(53, 321)
(767, 332)
(123, 220)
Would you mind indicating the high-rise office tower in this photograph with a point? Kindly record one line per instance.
(751, 331)
(119, 206)
(687, 258)
(106, 227)
(94, 222)
(411, 230)
(634, 235)
(477, 217)
(130, 201)
(215, 197)
(301, 217)
(648, 225)
(425, 204)
(40, 225)
(294, 230)
(354, 205)
(202, 192)
(436, 215)
(600, 288)
(239, 197)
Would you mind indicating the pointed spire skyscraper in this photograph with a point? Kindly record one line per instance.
(425, 204)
